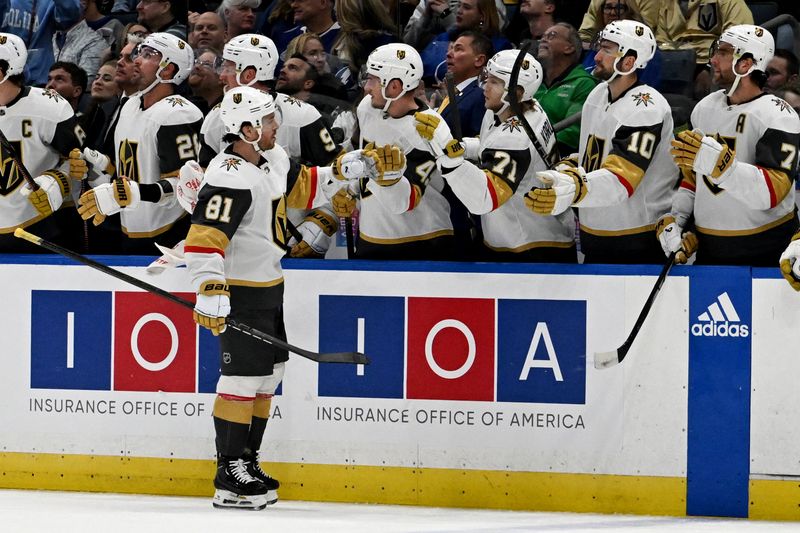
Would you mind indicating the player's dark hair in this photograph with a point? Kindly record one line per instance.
(16, 79)
(78, 75)
(792, 64)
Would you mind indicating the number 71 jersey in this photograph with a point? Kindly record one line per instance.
(153, 144)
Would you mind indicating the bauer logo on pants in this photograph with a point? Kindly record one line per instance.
(475, 349)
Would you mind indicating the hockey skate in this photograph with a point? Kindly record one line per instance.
(237, 489)
(254, 469)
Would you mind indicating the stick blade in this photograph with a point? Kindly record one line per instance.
(606, 359)
(353, 358)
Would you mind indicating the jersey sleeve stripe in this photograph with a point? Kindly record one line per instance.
(492, 192)
(414, 197)
(499, 189)
(629, 174)
(778, 184)
(304, 190)
(205, 239)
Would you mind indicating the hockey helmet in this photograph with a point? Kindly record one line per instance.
(630, 36)
(252, 50)
(173, 50)
(396, 61)
(752, 40)
(13, 51)
(245, 104)
(530, 71)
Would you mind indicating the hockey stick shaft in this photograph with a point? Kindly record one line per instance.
(607, 359)
(450, 83)
(338, 357)
(550, 159)
(12, 153)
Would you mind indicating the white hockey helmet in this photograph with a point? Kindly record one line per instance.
(173, 50)
(245, 105)
(252, 50)
(13, 51)
(753, 40)
(530, 71)
(630, 36)
(395, 61)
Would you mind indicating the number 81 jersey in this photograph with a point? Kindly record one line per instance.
(153, 144)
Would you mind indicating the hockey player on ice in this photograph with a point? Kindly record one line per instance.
(507, 161)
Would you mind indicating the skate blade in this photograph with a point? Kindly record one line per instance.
(224, 499)
(272, 497)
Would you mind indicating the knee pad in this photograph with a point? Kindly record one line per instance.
(270, 383)
(242, 386)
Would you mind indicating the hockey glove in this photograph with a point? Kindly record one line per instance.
(190, 179)
(53, 188)
(212, 306)
(352, 166)
(343, 203)
(77, 165)
(108, 199)
(790, 266)
(568, 163)
(316, 229)
(390, 163)
(448, 151)
(673, 239)
(561, 190)
(704, 155)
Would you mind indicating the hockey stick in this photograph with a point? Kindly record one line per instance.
(12, 153)
(451, 95)
(550, 159)
(337, 357)
(609, 359)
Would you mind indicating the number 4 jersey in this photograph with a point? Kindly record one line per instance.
(151, 145)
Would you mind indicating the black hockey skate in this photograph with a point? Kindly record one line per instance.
(254, 469)
(237, 489)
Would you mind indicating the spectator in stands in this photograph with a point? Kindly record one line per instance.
(135, 33)
(68, 80)
(466, 59)
(105, 88)
(476, 15)
(782, 70)
(432, 17)
(239, 16)
(540, 15)
(297, 78)
(204, 79)
(791, 93)
(37, 32)
(314, 16)
(104, 98)
(602, 12)
(364, 26)
(109, 28)
(697, 25)
(279, 19)
(566, 83)
(168, 16)
(81, 45)
(208, 31)
(310, 47)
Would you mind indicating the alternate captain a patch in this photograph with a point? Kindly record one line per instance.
(643, 98)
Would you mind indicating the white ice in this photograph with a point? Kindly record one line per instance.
(80, 512)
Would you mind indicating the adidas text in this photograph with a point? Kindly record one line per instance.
(720, 329)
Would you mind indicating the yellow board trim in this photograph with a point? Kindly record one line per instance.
(774, 499)
(488, 489)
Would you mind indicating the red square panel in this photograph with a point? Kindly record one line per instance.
(450, 349)
(154, 344)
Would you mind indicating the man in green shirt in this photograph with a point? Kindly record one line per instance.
(566, 84)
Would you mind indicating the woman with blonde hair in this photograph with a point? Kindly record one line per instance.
(310, 47)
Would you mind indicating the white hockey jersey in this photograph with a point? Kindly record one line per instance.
(629, 139)
(302, 132)
(152, 144)
(764, 133)
(418, 210)
(496, 188)
(41, 127)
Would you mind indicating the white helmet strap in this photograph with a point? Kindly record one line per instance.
(739, 76)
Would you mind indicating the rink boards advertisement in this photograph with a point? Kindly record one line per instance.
(482, 371)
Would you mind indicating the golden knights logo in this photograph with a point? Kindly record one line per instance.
(3, 39)
(526, 64)
(401, 54)
(181, 44)
(237, 98)
(593, 157)
(639, 31)
(759, 32)
(175, 101)
(128, 160)
(280, 226)
(231, 163)
(254, 41)
(513, 124)
(643, 98)
(10, 176)
(50, 93)
(782, 104)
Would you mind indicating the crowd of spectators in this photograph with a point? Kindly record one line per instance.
(82, 50)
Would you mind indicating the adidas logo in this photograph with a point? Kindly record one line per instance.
(720, 320)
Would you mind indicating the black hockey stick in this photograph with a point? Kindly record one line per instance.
(609, 359)
(337, 357)
(11, 152)
(550, 159)
(450, 83)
